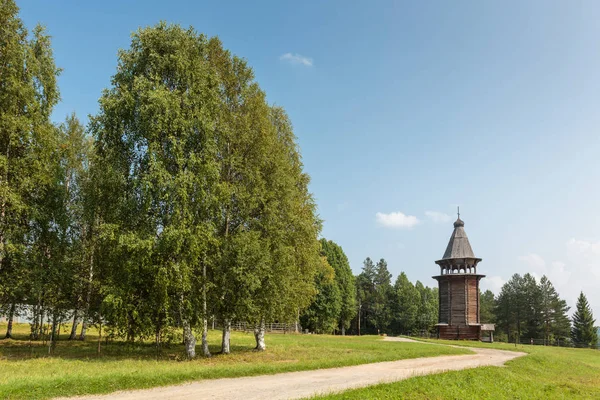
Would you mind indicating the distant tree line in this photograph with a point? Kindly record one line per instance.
(369, 303)
(526, 309)
(184, 199)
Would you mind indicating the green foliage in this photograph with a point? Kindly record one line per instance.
(344, 280)
(487, 302)
(525, 309)
(156, 142)
(556, 324)
(427, 312)
(583, 332)
(203, 196)
(323, 314)
(30, 187)
(374, 294)
(190, 201)
(407, 301)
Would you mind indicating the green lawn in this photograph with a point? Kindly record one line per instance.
(75, 369)
(546, 373)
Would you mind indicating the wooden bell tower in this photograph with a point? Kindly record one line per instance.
(458, 284)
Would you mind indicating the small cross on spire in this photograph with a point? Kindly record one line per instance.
(458, 211)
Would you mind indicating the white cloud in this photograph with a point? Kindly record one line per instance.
(580, 272)
(438, 217)
(533, 260)
(396, 220)
(297, 59)
(583, 246)
(493, 283)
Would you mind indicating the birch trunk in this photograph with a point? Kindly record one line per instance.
(73, 334)
(99, 336)
(83, 329)
(86, 315)
(259, 335)
(41, 328)
(11, 315)
(343, 330)
(189, 340)
(205, 350)
(226, 337)
(51, 342)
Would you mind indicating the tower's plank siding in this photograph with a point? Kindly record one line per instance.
(458, 304)
(473, 309)
(444, 306)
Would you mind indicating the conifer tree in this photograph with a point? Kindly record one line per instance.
(406, 301)
(382, 297)
(553, 311)
(584, 333)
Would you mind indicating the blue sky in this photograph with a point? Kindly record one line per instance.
(403, 111)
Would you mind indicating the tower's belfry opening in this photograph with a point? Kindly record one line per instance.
(459, 288)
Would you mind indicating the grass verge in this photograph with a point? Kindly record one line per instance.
(75, 369)
(546, 373)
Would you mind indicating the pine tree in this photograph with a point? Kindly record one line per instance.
(584, 333)
(406, 300)
(553, 311)
(365, 295)
(381, 305)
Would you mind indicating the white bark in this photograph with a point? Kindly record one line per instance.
(11, 315)
(73, 334)
(343, 330)
(259, 335)
(226, 337)
(205, 349)
(86, 315)
(189, 340)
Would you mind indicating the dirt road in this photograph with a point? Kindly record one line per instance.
(294, 385)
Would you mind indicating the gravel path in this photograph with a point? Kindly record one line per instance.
(294, 385)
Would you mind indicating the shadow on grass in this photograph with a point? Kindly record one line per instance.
(21, 348)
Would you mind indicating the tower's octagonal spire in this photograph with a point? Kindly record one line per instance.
(459, 246)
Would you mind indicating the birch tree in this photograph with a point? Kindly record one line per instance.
(28, 94)
(344, 279)
(289, 226)
(155, 135)
(267, 226)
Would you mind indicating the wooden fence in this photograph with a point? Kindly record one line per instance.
(272, 327)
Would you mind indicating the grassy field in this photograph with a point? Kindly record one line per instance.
(546, 373)
(75, 369)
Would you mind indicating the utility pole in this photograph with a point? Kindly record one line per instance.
(359, 308)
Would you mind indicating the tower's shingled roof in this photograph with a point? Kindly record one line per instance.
(459, 246)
